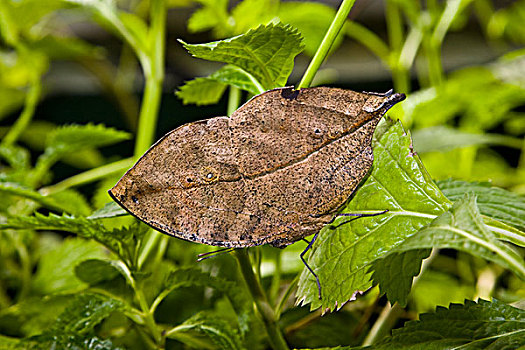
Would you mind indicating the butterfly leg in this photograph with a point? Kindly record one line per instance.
(359, 215)
(306, 264)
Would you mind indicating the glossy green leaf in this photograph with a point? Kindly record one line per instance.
(483, 325)
(84, 313)
(221, 334)
(494, 202)
(395, 272)
(462, 228)
(70, 342)
(342, 256)
(266, 52)
(209, 90)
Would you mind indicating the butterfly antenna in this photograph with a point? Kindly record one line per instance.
(308, 267)
(214, 253)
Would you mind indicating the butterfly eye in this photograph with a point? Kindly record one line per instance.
(318, 133)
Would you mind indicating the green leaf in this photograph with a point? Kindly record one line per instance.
(443, 138)
(482, 325)
(72, 202)
(205, 324)
(121, 241)
(235, 76)
(55, 271)
(395, 272)
(69, 341)
(93, 271)
(462, 228)
(241, 301)
(493, 202)
(110, 210)
(84, 313)
(72, 138)
(212, 15)
(342, 256)
(210, 89)
(201, 91)
(267, 52)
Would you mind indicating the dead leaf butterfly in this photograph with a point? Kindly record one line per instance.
(274, 172)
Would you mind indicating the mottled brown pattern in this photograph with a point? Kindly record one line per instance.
(273, 173)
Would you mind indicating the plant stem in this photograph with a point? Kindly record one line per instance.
(32, 97)
(154, 74)
(275, 336)
(234, 100)
(89, 176)
(326, 44)
(400, 73)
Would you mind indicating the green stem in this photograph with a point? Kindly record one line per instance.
(23, 121)
(275, 336)
(154, 74)
(326, 44)
(276, 278)
(286, 295)
(149, 321)
(154, 78)
(400, 73)
(234, 100)
(89, 176)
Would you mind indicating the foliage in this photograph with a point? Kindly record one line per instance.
(77, 272)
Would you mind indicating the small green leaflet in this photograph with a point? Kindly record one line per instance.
(494, 202)
(482, 325)
(395, 272)
(343, 256)
(208, 90)
(221, 334)
(267, 53)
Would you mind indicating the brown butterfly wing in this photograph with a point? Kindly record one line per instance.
(272, 173)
